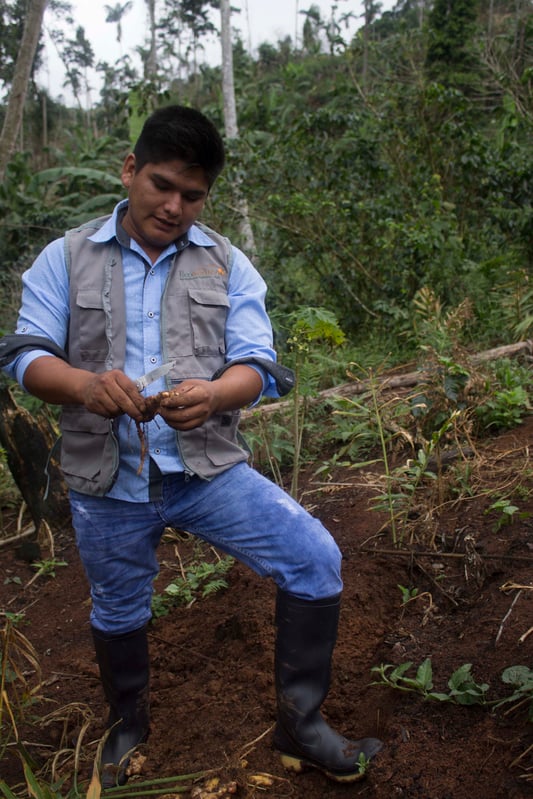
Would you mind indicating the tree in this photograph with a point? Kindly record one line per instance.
(230, 119)
(312, 26)
(21, 77)
(174, 34)
(115, 13)
(228, 85)
(150, 63)
(449, 57)
(371, 9)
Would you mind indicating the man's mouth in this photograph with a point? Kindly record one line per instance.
(165, 224)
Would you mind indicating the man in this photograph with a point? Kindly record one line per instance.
(146, 288)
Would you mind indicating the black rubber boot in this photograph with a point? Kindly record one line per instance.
(306, 636)
(124, 672)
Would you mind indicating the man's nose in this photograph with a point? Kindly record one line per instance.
(173, 203)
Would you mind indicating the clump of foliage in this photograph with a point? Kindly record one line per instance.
(456, 401)
(463, 689)
(520, 679)
(314, 344)
(203, 576)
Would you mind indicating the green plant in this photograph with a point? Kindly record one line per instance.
(270, 443)
(355, 431)
(15, 580)
(306, 326)
(383, 439)
(507, 512)
(14, 618)
(363, 763)
(402, 483)
(494, 394)
(461, 482)
(407, 594)
(507, 396)
(505, 409)
(521, 679)
(463, 690)
(47, 567)
(199, 579)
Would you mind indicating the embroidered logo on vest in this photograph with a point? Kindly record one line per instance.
(206, 271)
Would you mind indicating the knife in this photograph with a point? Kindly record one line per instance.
(154, 374)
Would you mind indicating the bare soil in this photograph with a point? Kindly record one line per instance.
(213, 703)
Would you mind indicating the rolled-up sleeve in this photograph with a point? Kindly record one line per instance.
(44, 307)
(248, 327)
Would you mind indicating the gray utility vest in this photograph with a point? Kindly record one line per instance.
(194, 307)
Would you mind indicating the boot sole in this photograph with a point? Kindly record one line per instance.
(297, 765)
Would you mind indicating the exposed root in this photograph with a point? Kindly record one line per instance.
(153, 404)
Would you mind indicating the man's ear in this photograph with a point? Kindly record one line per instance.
(128, 171)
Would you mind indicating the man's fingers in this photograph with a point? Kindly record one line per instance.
(112, 394)
(181, 398)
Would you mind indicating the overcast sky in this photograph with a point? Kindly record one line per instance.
(259, 21)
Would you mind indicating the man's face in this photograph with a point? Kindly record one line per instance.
(165, 199)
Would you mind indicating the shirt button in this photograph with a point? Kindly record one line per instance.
(151, 314)
(153, 359)
(157, 451)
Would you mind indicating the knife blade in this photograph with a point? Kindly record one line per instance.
(154, 374)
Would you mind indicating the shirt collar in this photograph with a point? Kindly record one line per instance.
(109, 230)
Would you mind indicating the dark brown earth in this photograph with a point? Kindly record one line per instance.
(212, 687)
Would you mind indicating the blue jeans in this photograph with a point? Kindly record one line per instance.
(240, 512)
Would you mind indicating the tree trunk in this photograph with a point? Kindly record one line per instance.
(27, 442)
(21, 77)
(230, 122)
(150, 69)
(228, 85)
(44, 122)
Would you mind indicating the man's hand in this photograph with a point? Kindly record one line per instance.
(190, 405)
(108, 394)
(193, 402)
(111, 394)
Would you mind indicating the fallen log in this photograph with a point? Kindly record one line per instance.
(355, 387)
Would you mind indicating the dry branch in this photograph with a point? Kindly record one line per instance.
(355, 387)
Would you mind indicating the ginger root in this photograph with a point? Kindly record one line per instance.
(153, 404)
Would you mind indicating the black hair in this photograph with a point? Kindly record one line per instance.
(177, 131)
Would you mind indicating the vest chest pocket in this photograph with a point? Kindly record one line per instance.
(92, 325)
(208, 309)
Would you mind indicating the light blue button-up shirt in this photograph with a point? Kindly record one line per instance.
(45, 312)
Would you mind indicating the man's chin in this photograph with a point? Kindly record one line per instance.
(162, 240)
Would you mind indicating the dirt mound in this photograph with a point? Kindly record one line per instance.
(463, 595)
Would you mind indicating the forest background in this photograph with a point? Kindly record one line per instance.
(371, 169)
(381, 184)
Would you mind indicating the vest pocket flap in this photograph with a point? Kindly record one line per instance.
(209, 297)
(76, 419)
(89, 298)
(89, 452)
